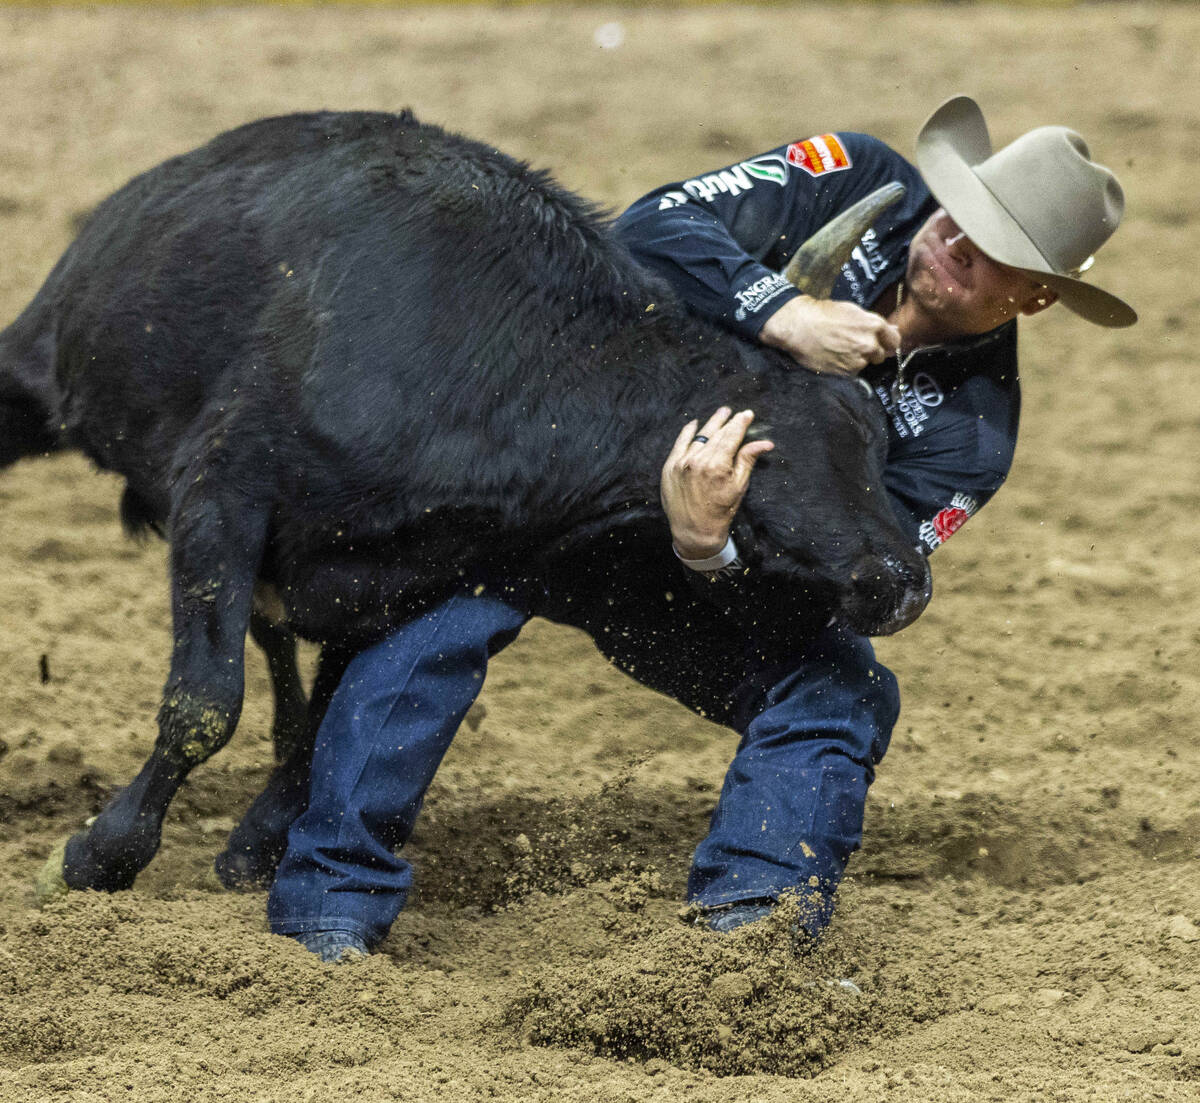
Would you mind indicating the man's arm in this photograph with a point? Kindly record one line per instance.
(720, 239)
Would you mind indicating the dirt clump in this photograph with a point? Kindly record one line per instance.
(733, 1004)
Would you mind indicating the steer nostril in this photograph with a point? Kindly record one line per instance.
(886, 593)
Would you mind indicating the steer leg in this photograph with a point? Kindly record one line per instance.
(278, 645)
(217, 538)
(258, 842)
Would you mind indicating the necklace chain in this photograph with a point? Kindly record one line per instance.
(902, 357)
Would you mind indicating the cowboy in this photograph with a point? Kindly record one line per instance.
(925, 313)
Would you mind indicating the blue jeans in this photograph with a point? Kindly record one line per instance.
(388, 725)
(813, 722)
(790, 812)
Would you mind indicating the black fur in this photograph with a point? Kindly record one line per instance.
(356, 356)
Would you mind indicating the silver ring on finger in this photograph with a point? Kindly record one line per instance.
(699, 438)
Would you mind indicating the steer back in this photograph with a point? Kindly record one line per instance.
(419, 355)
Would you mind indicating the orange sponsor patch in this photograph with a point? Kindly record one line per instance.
(822, 153)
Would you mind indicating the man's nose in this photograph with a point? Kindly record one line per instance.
(959, 246)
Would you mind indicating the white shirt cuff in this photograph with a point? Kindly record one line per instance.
(723, 558)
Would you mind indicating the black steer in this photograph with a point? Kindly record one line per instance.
(355, 356)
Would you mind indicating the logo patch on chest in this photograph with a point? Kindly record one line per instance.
(819, 154)
(927, 390)
(948, 521)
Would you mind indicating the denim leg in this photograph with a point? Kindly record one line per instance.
(791, 809)
(389, 723)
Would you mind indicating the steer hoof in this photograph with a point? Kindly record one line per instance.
(50, 882)
(243, 871)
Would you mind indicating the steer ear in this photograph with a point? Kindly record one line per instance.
(816, 264)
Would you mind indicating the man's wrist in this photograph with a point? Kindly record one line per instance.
(727, 554)
(690, 544)
(780, 329)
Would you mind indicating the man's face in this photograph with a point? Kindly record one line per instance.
(962, 289)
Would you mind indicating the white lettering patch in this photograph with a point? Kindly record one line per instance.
(759, 293)
(731, 181)
(863, 268)
(911, 406)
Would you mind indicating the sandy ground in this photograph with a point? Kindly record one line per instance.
(1023, 919)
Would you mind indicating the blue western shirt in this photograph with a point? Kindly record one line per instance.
(722, 239)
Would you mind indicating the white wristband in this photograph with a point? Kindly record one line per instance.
(723, 558)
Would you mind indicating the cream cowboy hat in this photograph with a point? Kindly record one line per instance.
(1039, 203)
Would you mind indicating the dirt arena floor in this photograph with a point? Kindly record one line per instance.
(1024, 918)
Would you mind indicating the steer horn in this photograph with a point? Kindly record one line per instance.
(816, 264)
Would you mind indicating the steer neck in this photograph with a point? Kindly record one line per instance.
(685, 368)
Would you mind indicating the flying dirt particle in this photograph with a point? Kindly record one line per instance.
(816, 1047)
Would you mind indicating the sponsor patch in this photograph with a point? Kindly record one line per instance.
(928, 391)
(948, 520)
(863, 268)
(819, 154)
(733, 181)
(910, 406)
(767, 167)
(753, 298)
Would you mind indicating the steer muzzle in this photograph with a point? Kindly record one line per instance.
(885, 594)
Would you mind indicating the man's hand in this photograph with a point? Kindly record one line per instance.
(704, 481)
(826, 335)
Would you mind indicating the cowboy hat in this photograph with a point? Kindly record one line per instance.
(1039, 204)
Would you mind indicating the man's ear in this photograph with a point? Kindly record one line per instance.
(1039, 301)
